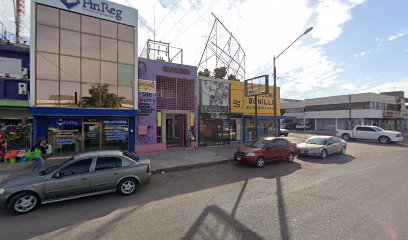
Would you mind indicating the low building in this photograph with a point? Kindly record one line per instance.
(342, 112)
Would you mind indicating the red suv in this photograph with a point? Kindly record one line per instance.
(265, 150)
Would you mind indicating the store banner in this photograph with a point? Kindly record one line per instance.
(65, 122)
(147, 86)
(215, 96)
(115, 122)
(246, 105)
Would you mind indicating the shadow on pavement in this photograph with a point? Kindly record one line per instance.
(51, 219)
(331, 159)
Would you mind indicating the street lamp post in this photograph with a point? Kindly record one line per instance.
(274, 80)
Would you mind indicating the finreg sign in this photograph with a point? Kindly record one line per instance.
(102, 8)
(97, 8)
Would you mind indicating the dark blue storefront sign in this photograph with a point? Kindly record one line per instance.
(65, 122)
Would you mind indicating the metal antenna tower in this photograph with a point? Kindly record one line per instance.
(222, 49)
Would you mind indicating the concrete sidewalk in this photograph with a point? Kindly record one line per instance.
(173, 159)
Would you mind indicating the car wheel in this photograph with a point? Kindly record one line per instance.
(291, 157)
(127, 186)
(343, 150)
(323, 154)
(260, 162)
(23, 202)
(384, 140)
(346, 137)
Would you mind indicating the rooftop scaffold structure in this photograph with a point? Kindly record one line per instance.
(222, 49)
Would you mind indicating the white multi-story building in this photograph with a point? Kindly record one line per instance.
(340, 112)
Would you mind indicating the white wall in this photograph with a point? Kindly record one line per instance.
(10, 66)
(361, 113)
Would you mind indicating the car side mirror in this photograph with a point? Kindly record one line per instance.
(330, 143)
(57, 175)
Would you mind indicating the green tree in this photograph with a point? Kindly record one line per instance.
(205, 73)
(220, 72)
(101, 97)
(232, 77)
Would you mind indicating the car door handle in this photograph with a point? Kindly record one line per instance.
(115, 173)
(84, 179)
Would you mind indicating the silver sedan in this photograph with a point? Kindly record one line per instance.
(322, 146)
(83, 175)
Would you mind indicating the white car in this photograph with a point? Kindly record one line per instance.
(370, 133)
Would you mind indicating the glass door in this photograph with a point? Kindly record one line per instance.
(92, 137)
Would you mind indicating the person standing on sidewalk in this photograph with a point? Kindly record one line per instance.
(190, 139)
(39, 163)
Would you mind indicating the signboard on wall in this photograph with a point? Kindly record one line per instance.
(147, 86)
(147, 97)
(115, 129)
(246, 105)
(215, 96)
(65, 122)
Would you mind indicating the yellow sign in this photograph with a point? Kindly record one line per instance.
(246, 105)
(147, 86)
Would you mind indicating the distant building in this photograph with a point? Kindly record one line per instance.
(386, 110)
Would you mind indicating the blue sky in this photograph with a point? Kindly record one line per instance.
(355, 46)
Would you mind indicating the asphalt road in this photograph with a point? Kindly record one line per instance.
(360, 195)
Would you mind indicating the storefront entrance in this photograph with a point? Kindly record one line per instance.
(175, 130)
(92, 137)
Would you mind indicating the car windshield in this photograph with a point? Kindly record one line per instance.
(50, 169)
(378, 129)
(316, 141)
(258, 144)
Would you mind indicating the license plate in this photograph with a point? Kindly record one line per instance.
(238, 158)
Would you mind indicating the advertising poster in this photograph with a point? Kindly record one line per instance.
(215, 96)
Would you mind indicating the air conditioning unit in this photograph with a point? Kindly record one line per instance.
(24, 73)
(22, 89)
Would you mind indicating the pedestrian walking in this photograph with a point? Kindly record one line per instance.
(190, 139)
(39, 162)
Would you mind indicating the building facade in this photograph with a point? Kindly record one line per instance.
(345, 111)
(15, 119)
(83, 80)
(168, 104)
(228, 116)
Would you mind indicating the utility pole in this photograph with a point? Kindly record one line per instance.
(256, 115)
(275, 133)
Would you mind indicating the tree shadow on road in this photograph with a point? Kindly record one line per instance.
(331, 159)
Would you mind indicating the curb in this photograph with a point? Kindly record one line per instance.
(189, 167)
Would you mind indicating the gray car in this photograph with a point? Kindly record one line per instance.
(322, 146)
(83, 175)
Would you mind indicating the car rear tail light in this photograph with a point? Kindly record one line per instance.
(148, 170)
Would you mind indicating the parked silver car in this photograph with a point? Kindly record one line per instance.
(83, 175)
(322, 146)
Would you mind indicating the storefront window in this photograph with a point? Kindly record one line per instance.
(236, 130)
(115, 134)
(65, 135)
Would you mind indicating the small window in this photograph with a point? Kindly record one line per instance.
(360, 129)
(273, 144)
(78, 167)
(104, 163)
(282, 143)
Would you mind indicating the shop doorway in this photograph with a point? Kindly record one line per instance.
(175, 130)
(91, 137)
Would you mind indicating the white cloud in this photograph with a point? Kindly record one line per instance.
(331, 15)
(396, 36)
(362, 53)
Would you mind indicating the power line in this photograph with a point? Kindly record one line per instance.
(165, 16)
(212, 4)
(175, 25)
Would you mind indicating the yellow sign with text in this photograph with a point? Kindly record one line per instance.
(246, 105)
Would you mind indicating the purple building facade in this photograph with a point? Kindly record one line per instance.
(168, 104)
